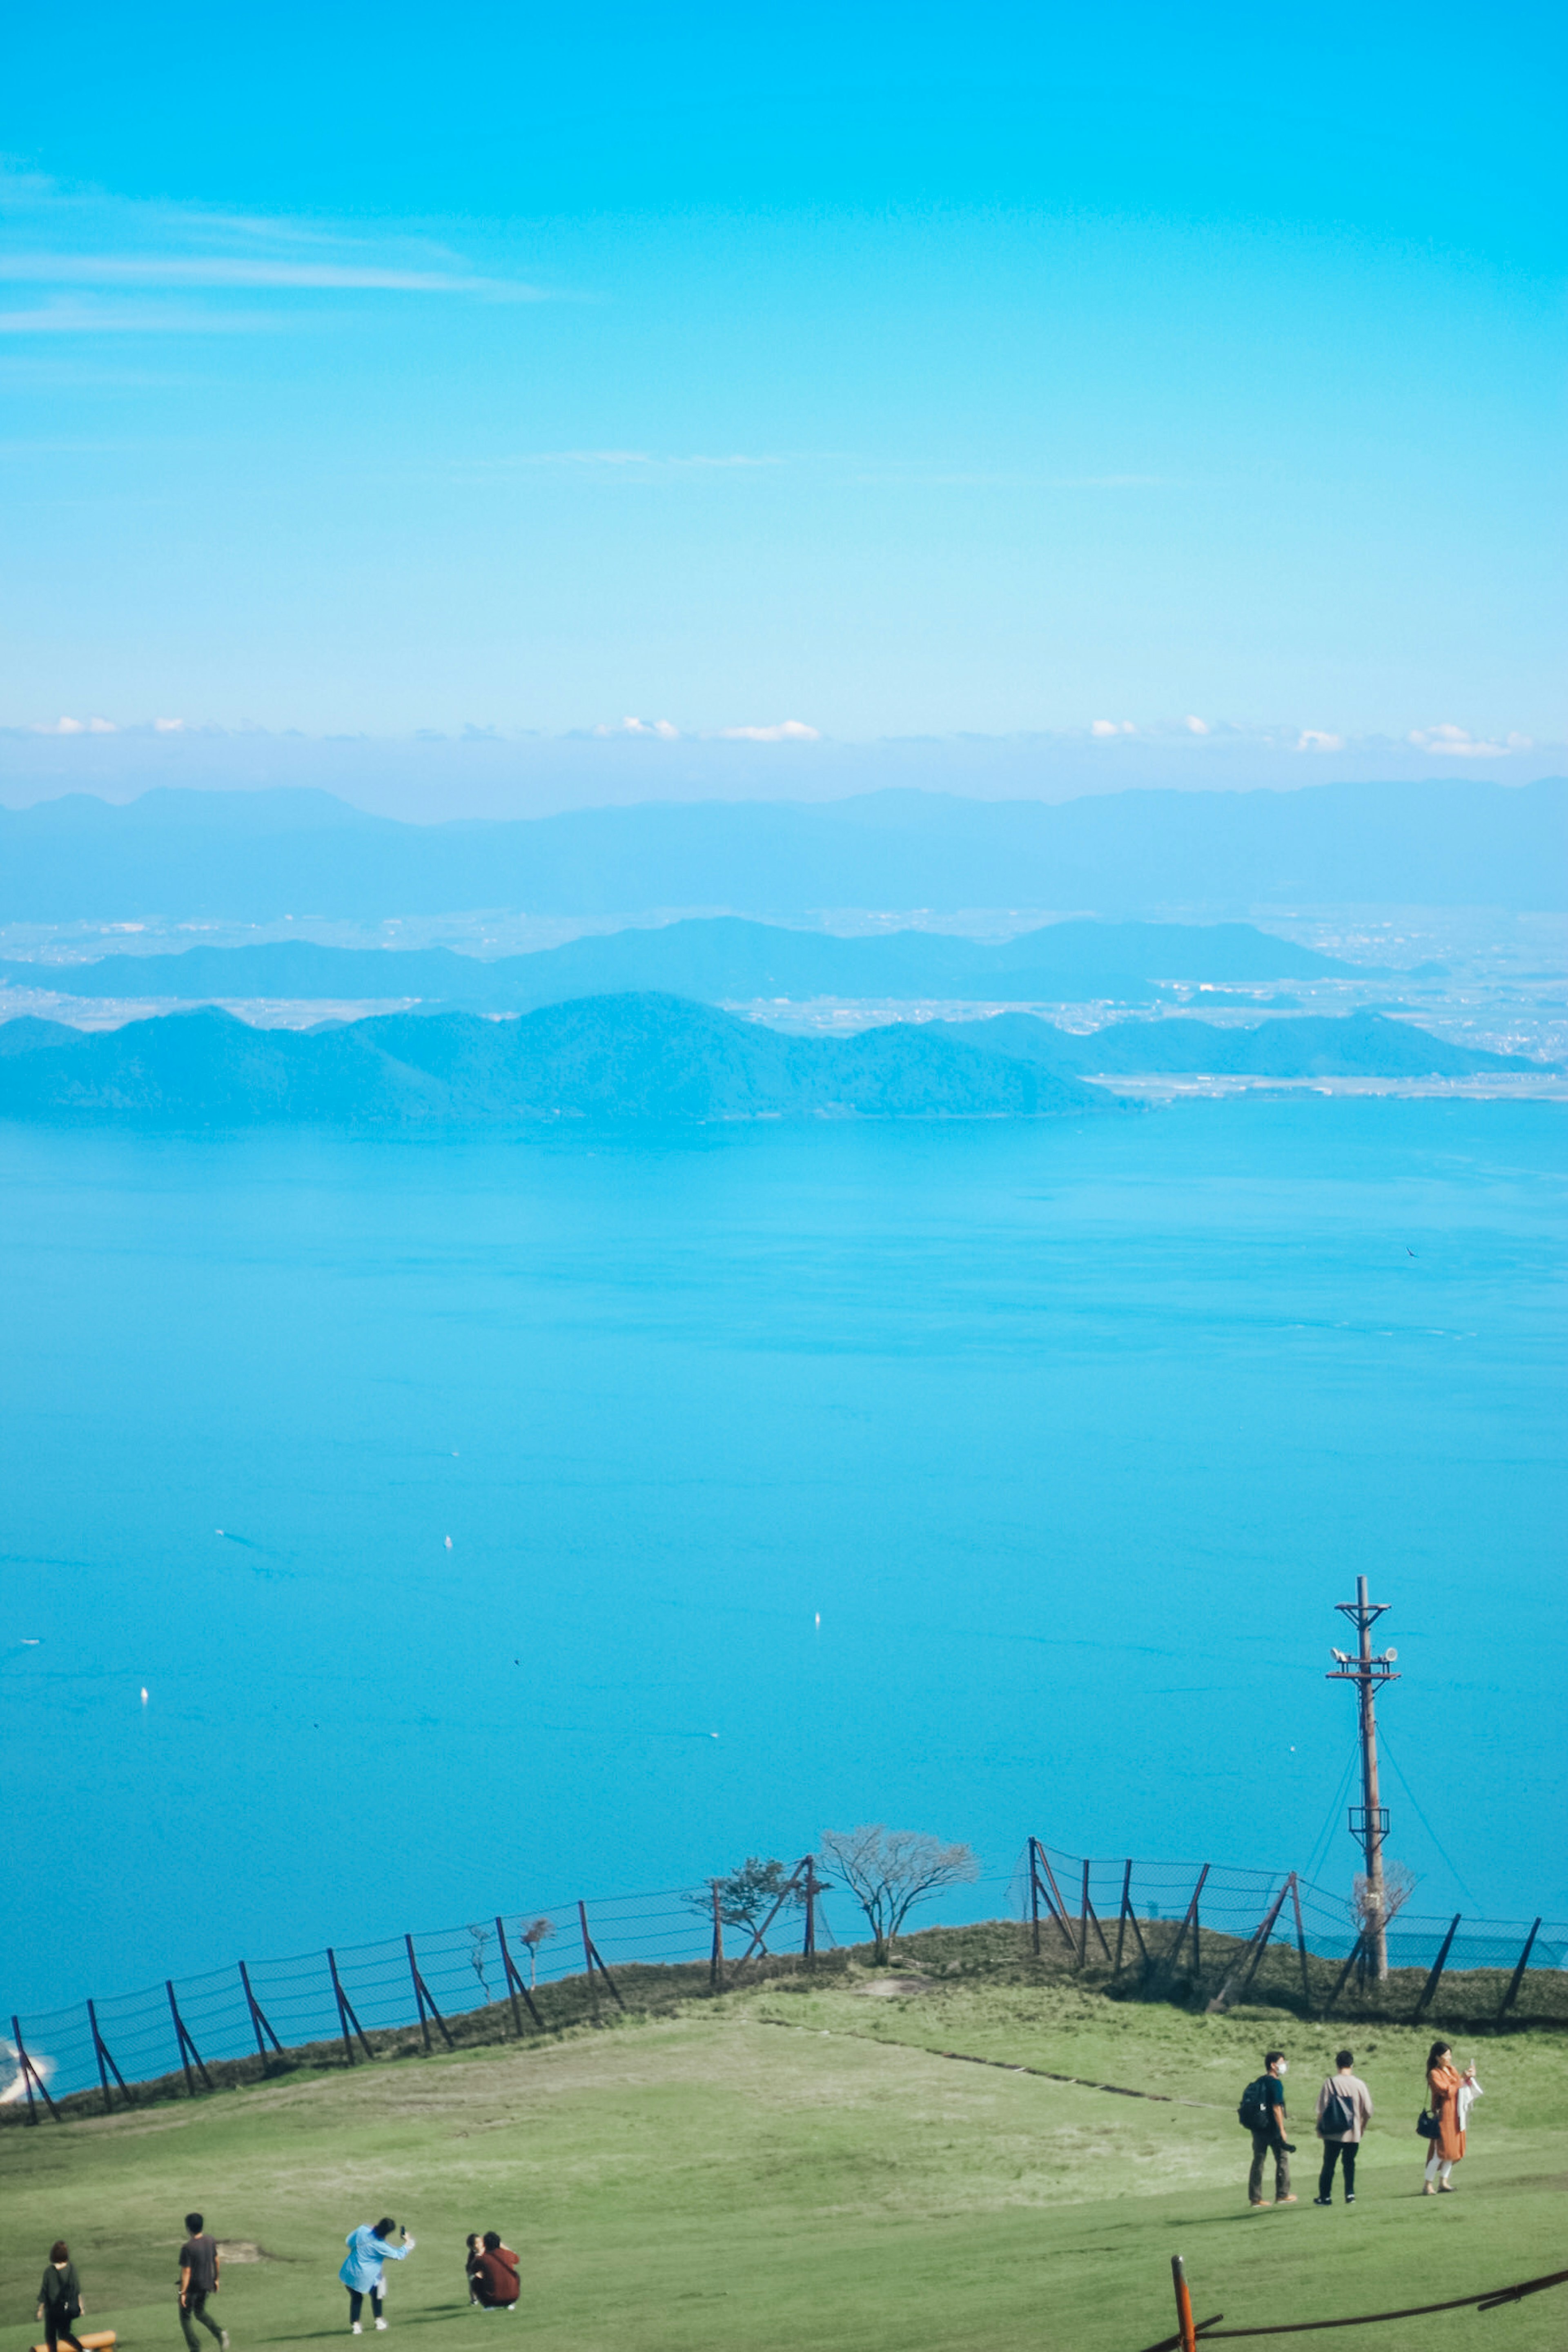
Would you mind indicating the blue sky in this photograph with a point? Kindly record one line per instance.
(881, 372)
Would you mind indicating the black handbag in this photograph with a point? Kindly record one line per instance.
(1427, 2124)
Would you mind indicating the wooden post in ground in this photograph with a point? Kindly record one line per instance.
(808, 1942)
(515, 1985)
(1052, 1893)
(259, 2023)
(1190, 1921)
(1301, 1947)
(588, 1959)
(426, 2003)
(1438, 1965)
(187, 2047)
(1239, 1982)
(1357, 1948)
(716, 1953)
(1185, 2332)
(1128, 1917)
(1511, 1995)
(106, 2065)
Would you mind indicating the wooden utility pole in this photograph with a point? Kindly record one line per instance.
(1369, 1820)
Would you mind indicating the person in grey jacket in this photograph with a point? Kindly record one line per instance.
(1344, 2111)
(59, 2298)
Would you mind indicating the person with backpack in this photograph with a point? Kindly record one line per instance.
(59, 2298)
(495, 2280)
(1262, 2113)
(1344, 2111)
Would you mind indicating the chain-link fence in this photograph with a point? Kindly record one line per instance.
(1194, 1929)
(1211, 1925)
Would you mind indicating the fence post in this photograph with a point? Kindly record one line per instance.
(30, 2076)
(514, 1982)
(423, 1998)
(106, 2065)
(187, 2047)
(1301, 1947)
(1438, 1965)
(1034, 1898)
(716, 1950)
(1183, 2306)
(808, 1941)
(1239, 1980)
(345, 2013)
(592, 1955)
(1127, 1916)
(1038, 1861)
(259, 2025)
(1511, 1995)
(1357, 1948)
(1191, 1920)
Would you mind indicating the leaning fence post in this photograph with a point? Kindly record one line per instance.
(259, 2025)
(514, 1982)
(1302, 1946)
(423, 1997)
(1511, 1995)
(716, 1951)
(1438, 1965)
(105, 2061)
(30, 2076)
(187, 2047)
(808, 1941)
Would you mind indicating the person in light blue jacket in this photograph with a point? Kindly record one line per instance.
(369, 2246)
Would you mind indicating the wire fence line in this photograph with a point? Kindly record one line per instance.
(1202, 1925)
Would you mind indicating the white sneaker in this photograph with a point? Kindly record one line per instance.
(381, 2328)
(356, 2329)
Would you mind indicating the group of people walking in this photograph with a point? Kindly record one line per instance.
(60, 2292)
(1343, 2112)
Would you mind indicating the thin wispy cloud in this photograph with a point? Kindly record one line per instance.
(242, 271)
(624, 460)
(77, 317)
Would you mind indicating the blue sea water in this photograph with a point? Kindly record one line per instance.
(984, 1479)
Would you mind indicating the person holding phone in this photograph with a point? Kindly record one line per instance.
(371, 2245)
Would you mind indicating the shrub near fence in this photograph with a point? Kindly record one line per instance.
(1160, 1929)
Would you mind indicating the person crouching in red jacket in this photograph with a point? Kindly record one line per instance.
(495, 2280)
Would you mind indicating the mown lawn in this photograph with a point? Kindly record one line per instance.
(792, 2169)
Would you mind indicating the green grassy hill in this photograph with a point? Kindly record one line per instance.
(800, 2165)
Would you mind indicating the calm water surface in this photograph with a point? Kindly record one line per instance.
(1070, 1437)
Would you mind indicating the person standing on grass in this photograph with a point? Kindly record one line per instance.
(1268, 2138)
(199, 2269)
(496, 2283)
(1344, 2111)
(369, 2246)
(1448, 2096)
(59, 2298)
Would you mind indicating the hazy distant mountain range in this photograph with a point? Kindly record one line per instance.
(718, 958)
(650, 1056)
(1355, 1045)
(633, 1057)
(258, 857)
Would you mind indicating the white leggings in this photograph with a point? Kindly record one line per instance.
(1438, 2168)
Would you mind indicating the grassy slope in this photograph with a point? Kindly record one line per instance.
(792, 2167)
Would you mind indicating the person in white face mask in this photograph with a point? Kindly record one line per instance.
(1269, 2132)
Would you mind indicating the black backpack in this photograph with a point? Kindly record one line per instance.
(1254, 2111)
(1338, 2118)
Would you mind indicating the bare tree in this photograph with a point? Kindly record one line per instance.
(1373, 1918)
(889, 1871)
(479, 1939)
(536, 1932)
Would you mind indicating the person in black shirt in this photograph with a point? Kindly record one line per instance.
(59, 2298)
(1271, 2140)
(199, 2276)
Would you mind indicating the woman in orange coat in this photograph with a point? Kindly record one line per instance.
(1443, 2083)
